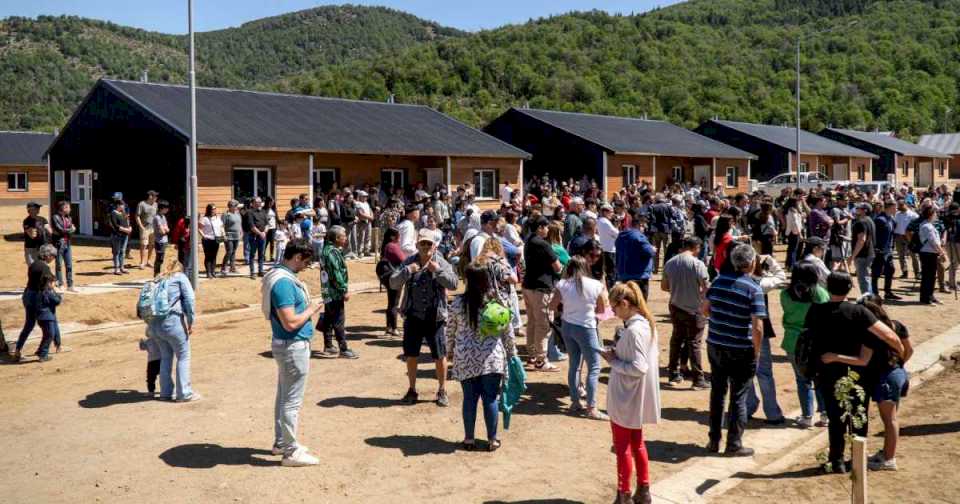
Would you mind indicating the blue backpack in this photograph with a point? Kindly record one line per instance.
(153, 302)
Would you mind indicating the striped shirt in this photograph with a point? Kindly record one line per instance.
(734, 300)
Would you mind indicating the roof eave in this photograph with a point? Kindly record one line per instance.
(310, 150)
(745, 155)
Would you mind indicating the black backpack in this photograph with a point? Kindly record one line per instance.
(915, 244)
(804, 353)
(384, 271)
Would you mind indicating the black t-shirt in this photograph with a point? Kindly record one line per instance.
(256, 218)
(38, 276)
(885, 359)
(841, 328)
(40, 224)
(117, 221)
(864, 225)
(539, 256)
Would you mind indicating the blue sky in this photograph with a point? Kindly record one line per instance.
(169, 16)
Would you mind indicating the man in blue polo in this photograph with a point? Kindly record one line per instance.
(634, 253)
(735, 307)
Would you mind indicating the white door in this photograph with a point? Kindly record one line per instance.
(81, 194)
(841, 172)
(701, 175)
(434, 178)
(924, 174)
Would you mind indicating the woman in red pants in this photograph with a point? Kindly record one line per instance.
(633, 395)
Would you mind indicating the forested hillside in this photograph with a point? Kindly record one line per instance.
(48, 64)
(887, 64)
(897, 68)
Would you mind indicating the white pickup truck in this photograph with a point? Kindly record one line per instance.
(808, 180)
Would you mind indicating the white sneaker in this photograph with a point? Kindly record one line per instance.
(823, 421)
(882, 464)
(300, 458)
(805, 422)
(276, 450)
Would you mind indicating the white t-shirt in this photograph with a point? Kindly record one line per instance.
(580, 309)
(408, 237)
(505, 193)
(607, 234)
(363, 208)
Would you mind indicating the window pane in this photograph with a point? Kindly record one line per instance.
(242, 184)
(11, 181)
(263, 183)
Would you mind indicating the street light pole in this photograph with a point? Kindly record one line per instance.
(799, 36)
(192, 169)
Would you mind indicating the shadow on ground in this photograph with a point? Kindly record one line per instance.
(536, 501)
(206, 456)
(413, 446)
(670, 452)
(928, 429)
(808, 472)
(105, 398)
(543, 399)
(358, 402)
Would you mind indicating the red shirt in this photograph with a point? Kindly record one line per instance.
(720, 250)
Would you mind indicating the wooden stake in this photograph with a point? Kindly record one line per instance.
(859, 495)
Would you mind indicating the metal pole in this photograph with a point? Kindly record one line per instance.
(798, 111)
(192, 170)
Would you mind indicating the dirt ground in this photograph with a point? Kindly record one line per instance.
(929, 424)
(82, 432)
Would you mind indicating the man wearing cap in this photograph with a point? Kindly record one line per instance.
(364, 223)
(408, 230)
(884, 225)
(863, 239)
(146, 211)
(816, 248)
(607, 234)
(36, 231)
(425, 278)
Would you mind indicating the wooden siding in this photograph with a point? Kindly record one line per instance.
(357, 170)
(38, 187)
(953, 168)
(462, 170)
(215, 173)
(615, 164)
(743, 178)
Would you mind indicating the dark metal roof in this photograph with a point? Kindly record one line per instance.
(258, 120)
(786, 138)
(24, 147)
(637, 136)
(946, 143)
(890, 143)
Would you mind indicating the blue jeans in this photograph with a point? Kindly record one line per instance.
(768, 388)
(806, 391)
(553, 352)
(29, 299)
(257, 248)
(293, 366)
(118, 246)
(582, 342)
(65, 261)
(485, 388)
(51, 333)
(864, 266)
(173, 342)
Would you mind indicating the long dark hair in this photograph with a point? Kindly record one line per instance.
(209, 212)
(388, 237)
(477, 285)
(803, 281)
(723, 226)
(874, 303)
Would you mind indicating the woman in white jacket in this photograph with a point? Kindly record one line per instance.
(633, 394)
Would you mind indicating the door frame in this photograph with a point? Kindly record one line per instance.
(84, 205)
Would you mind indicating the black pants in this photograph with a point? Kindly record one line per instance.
(334, 318)
(161, 250)
(686, 340)
(210, 250)
(610, 268)
(153, 371)
(837, 430)
(731, 368)
(928, 275)
(393, 299)
(269, 239)
(882, 266)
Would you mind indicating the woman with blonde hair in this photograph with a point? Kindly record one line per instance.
(633, 394)
(172, 332)
(502, 278)
(555, 238)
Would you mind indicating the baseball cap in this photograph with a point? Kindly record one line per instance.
(118, 195)
(816, 241)
(606, 206)
(864, 206)
(488, 216)
(361, 193)
(425, 235)
(34, 204)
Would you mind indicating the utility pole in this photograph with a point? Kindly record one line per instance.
(192, 169)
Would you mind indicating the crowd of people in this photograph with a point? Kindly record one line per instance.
(575, 259)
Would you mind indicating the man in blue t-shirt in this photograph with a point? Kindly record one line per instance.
(735, 307)
(884, 224)
(290, 312)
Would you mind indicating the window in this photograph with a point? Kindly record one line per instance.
(58, 185)
(823, 171)
(629, 175)
(323, 180)
(17, 181)
(731, 176)
(804, 166)
(392, 178)
(943, 169)
(906, 168)
(485, 182)
(251, 183)
(678, 174)
(861, 172)
(815, 177)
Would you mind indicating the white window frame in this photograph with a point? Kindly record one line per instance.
(393, 172)
(492, 172)
(906, 168)
(16, 187)
(804, 166)
(726, 179)
(861, 173)
(58, 181)
(677, 174)
(629, 174)
(313, 181)
(258, 171)
(943, 169)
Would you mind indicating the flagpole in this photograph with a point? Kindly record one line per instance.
(192, 169)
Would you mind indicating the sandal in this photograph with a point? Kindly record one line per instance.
(492, 446)
(545, 367)
(470, 445)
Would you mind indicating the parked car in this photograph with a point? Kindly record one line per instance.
(875, 187)
(808, 180)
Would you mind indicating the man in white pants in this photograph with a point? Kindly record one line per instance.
(286, 303)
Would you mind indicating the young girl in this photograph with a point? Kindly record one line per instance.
(633, 394)
(149, 344)
(281, 236)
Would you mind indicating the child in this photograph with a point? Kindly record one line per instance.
(47, 302)
(296, 229)
(317, 234)
(280, 237)
(149, 344)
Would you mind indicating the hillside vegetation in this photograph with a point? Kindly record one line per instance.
(890, 64)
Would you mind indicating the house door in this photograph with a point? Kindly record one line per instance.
(434, 178)
(924, 174)
(323, 180)
(841, 172)
(81, 194)
(250, 183)
(701, 175)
